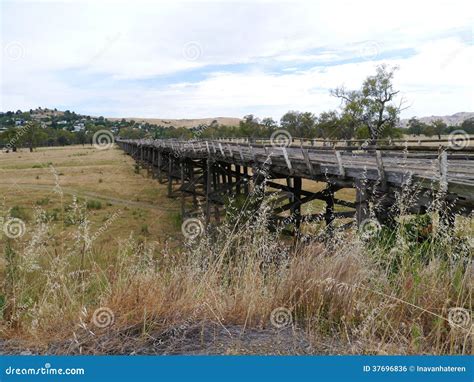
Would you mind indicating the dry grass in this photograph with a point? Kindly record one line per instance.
(29, 180)
(187, 123)
(388, 295)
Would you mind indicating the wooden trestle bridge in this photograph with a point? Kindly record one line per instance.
(205, 173)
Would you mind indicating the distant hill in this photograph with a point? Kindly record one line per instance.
(187, 123)
(451, 120)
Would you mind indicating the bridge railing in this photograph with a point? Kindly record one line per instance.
(445, 141)
(466, 144)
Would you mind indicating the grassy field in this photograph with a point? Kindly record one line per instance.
(103, 268)
(103, 179)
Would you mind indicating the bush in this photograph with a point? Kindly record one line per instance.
(93, 205)
(19, 213)
(42, 165)
(144, 230)
(42, 202)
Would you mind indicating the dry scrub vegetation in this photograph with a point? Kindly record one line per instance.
(238, 288)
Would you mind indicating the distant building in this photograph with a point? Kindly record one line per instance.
(78, 127)
(19, 122)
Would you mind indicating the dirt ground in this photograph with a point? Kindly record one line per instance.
(196, 339)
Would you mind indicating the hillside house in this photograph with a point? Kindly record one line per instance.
(78, 127)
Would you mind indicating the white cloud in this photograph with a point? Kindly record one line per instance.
(116, 58)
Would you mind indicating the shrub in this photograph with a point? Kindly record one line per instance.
(93, 205)
(144, 230)
(42, 202)
(19, 213)
(42, 165)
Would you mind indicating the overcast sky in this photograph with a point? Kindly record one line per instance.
(192, 59)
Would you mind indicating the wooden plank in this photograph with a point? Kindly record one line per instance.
(160, 159)
(240, 153)
(252, 152)
(362, 202)
(443, 172)
(380, 167)
(342, 172)
(287, 160)
(170, 177)
(308, 162)
(208, 184)
(183, 200)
